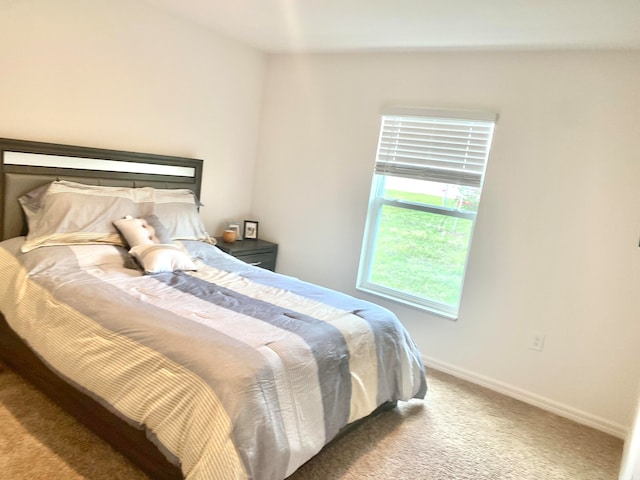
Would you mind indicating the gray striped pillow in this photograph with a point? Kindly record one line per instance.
(71, 213)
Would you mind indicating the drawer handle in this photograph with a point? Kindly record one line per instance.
(255, 264)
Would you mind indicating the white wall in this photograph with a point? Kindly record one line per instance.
(556, 242)
(124, 75)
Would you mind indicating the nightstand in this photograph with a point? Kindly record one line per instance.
(255, 252)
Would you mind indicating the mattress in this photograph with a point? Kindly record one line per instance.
(233, 371)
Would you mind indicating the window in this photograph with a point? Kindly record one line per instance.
(424, 200)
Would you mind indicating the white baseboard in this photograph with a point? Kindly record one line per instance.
(547, 404)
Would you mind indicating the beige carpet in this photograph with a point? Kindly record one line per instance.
(462, 431)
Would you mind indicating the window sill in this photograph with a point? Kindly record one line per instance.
(408, 302)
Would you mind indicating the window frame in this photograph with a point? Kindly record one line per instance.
(377, 201)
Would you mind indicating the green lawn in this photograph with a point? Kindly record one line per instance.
(421, 253)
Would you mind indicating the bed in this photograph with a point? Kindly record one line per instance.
(192, 363)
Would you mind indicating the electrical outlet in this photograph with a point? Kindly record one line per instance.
(537, 342)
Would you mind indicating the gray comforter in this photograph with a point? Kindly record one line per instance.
(234, 371)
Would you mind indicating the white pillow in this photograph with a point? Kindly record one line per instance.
(142, 231)
(160, 258)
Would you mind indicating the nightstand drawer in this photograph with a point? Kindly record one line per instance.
(254, 252)
(264, 260)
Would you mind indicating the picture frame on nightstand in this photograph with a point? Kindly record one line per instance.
(235, 226)
(250, 230)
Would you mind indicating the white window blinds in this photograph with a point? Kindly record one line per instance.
(448, 148)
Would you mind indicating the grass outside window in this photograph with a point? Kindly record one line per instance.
(416, 254)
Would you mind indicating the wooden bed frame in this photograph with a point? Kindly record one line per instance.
(128, 440)
(18, 179)
(18, 175)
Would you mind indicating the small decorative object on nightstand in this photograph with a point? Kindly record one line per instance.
(229, 236)
(236, 227)
(254, 252)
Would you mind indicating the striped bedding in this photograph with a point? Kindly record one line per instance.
(235, 372)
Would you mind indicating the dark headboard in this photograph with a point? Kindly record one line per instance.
(25, 165)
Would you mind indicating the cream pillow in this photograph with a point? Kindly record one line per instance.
(161, 258)
(146, 230)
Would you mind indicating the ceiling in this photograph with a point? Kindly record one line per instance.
(412, 25)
